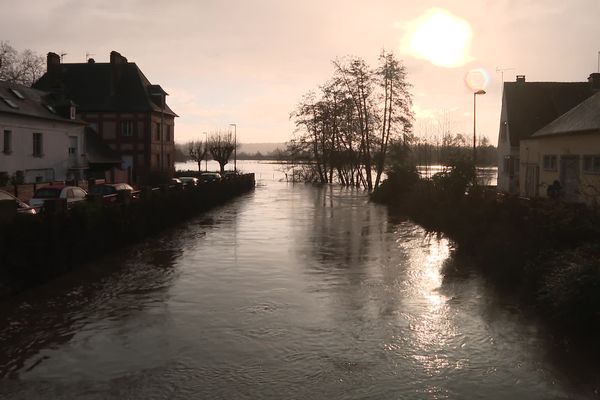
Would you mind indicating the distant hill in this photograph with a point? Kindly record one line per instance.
(246, 149)
(252, 148)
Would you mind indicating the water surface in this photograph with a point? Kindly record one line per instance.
(292, 291)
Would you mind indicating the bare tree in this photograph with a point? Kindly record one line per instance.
(198, 151)
(221, 145)
(24, 67)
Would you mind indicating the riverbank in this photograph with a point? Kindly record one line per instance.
(37, 248)
(544, 252)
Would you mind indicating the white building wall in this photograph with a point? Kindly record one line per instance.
(508, 179)
(54, 162)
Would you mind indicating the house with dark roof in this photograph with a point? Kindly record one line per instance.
(528, 107)
(129, 113)
(566, 150)
(41, 138)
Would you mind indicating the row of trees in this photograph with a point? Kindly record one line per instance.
(347, 127)
(220, 145)
(23, 67)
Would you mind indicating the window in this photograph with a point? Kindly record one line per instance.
(591, 164)
(550, 162)
(158, 131)
(168, 134)
(17, 94)
(37, 145)
(7, 148)
(72, 112)
(127, 128)
(506, 165)
(510, 166)
(10, 102)
(168, 160)
(157, 158)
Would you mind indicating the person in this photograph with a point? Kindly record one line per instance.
(554, 190)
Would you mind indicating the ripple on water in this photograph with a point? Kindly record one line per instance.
(291, 292)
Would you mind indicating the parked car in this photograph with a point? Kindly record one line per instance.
(108, 191)
(22, 207)
(210, 177)
(230, 174)
(189, 180)
(73, 194)
(176, 181)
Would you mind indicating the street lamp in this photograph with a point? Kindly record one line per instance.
(205, 151)
(234, 146)
(475, 130)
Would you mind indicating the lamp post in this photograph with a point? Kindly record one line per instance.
(205, 151)
(481, 92)
(234, 146)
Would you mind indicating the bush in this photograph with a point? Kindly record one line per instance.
(400, 180)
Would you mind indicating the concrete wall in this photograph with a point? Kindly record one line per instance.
(533, 151)
(54, 162)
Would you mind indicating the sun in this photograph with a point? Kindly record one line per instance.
(439, 37)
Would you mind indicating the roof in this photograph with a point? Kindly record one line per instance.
(584, 117)
(27, 102)
(532, 105)
(98, 152)
(104, 87)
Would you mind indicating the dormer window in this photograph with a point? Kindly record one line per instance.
(10, 102)
(72, 112)
(50, 108)
(17, 94)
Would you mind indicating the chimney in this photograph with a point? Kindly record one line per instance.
(52, 62)
(594, 81)
(117, 58)
(116, 62)
(520, 78)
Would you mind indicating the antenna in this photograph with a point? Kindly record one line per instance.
(501, 70)
(88, 55)
(62, 56)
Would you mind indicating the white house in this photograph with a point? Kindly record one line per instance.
(40, 136)
(526, 108)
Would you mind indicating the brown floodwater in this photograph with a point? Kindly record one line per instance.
(290, 292)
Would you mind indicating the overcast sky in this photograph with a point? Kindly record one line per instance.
(249, 62)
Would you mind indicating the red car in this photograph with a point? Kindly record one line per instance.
(108, 191)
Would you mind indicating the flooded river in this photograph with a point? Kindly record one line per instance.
(290, 292)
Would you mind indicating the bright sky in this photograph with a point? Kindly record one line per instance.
(249, 61)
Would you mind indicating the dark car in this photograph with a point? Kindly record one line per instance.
(108, 191)
(21, 206)
(189, 180)
(210, 177)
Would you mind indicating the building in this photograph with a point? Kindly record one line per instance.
(526, 108)
(566, 150)
(129, 113)
(41, 138)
